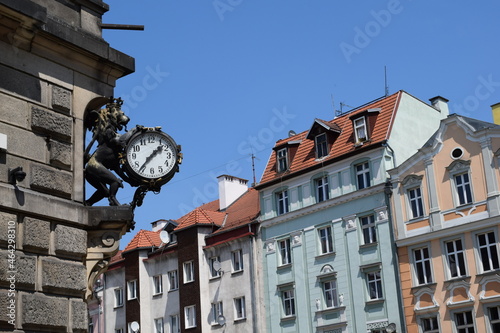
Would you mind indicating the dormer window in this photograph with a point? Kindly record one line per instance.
(321, 145)
(360, 129)
(282, 158)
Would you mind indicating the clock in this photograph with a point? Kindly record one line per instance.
(151, 155)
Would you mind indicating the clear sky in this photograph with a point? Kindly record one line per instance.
(226, 78)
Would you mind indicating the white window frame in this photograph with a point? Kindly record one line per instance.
(188, 271)
(374, 279)
(321, 145)
(282, 159)
(131, 289)
(490, 321)
(368, 229)
(173, 280)
(427, 271)
(190, 316)
(455, 257)
(239, 308)
(285, 252)
(288, 302)
(433, 321)
(118, 297)
(415, 200)
(330, 293)
(325, 240)
(463, 189)
(359, 129)
(282, 202)
(157, 285)
(158, 328)
(175, 326)
(492, 251)
(322, 187)
(465, 325)
(237, 261)
(363, 177)
(217, 310)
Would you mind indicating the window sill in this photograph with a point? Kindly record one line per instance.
(289, 318)
(492, 272)
(325, 255)
(425, 285)
(215, 278)
(457, 279)
(363, 246)
(330, 310)
(235, 273)
(238, 320)
(118, 307)
(285, 266)
(157, 295)
(172, 290)
(375, 301)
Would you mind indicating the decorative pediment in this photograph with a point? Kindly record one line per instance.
(458, 166)
(490, 288)
(459, 294)
(412, 181)
(425, 301)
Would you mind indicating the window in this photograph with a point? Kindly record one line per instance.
(157, 284)
(131, 289)
(415, 200)
(158, 324)
(360, 129)
(237, 260)
(174, 324)
(368, 229)
(321, 145)
(285, 252)
(422, 265)
(282, 160)
(464, 323)
(190, 316)
(463, 188)
(363, 175)
(330, 293)
(173, 280)
(215, 270)
(429, 325)
(288, 299)
(239, 308)
(455, 258)
(374, 282)
(119, 330)
(118, 297)
(188, 272)
(494, 318)
(325, 240)
(322, 190)
(216, 312)
(282, 202)
(488, 251)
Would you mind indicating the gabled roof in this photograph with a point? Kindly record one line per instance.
(327, 125)
(305, 158)
(200, 216)
(144, 239)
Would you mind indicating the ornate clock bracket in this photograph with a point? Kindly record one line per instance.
(106, 227)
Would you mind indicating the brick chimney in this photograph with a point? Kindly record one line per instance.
(441, 104)
(230, 189)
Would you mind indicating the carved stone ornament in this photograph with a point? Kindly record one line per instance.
(458, 166)
(412, 181)
(107, 226)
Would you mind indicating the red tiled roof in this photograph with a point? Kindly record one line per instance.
(305, 156)
(117, 257)
(144, 239)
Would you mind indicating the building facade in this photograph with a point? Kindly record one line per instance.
(446, 205)
(54, 66)
(328, 258)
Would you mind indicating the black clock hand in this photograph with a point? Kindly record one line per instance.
(150, 157)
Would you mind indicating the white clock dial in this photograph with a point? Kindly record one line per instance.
(151, 155)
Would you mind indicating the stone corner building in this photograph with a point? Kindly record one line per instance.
(54, 66)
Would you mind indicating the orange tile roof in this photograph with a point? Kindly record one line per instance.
(144, 239)
(305, 157)
(201, 216)
(117, 257)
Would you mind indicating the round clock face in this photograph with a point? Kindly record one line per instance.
(151, 154)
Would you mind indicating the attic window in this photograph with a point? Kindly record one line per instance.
(360, 130)
(282, 159)
(321, 145)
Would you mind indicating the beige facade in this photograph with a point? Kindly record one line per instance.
(445, 209)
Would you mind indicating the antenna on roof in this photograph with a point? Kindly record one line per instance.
(253, 169)
(386, 85)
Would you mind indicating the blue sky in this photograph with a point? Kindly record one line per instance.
(226, 78)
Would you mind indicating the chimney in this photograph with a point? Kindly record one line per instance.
(441, 104)
(230, 189)
(495, 109)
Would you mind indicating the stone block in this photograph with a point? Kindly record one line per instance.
(36, 234)
(9, 308)
(70, 240)
(79, 315)
(61, 99)
(51, 123)
(22, 268)
(6, 223)
(41, 311)
(51, 181)
(14, 111)
(20, 83)
(60, 154)
(61, 276)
